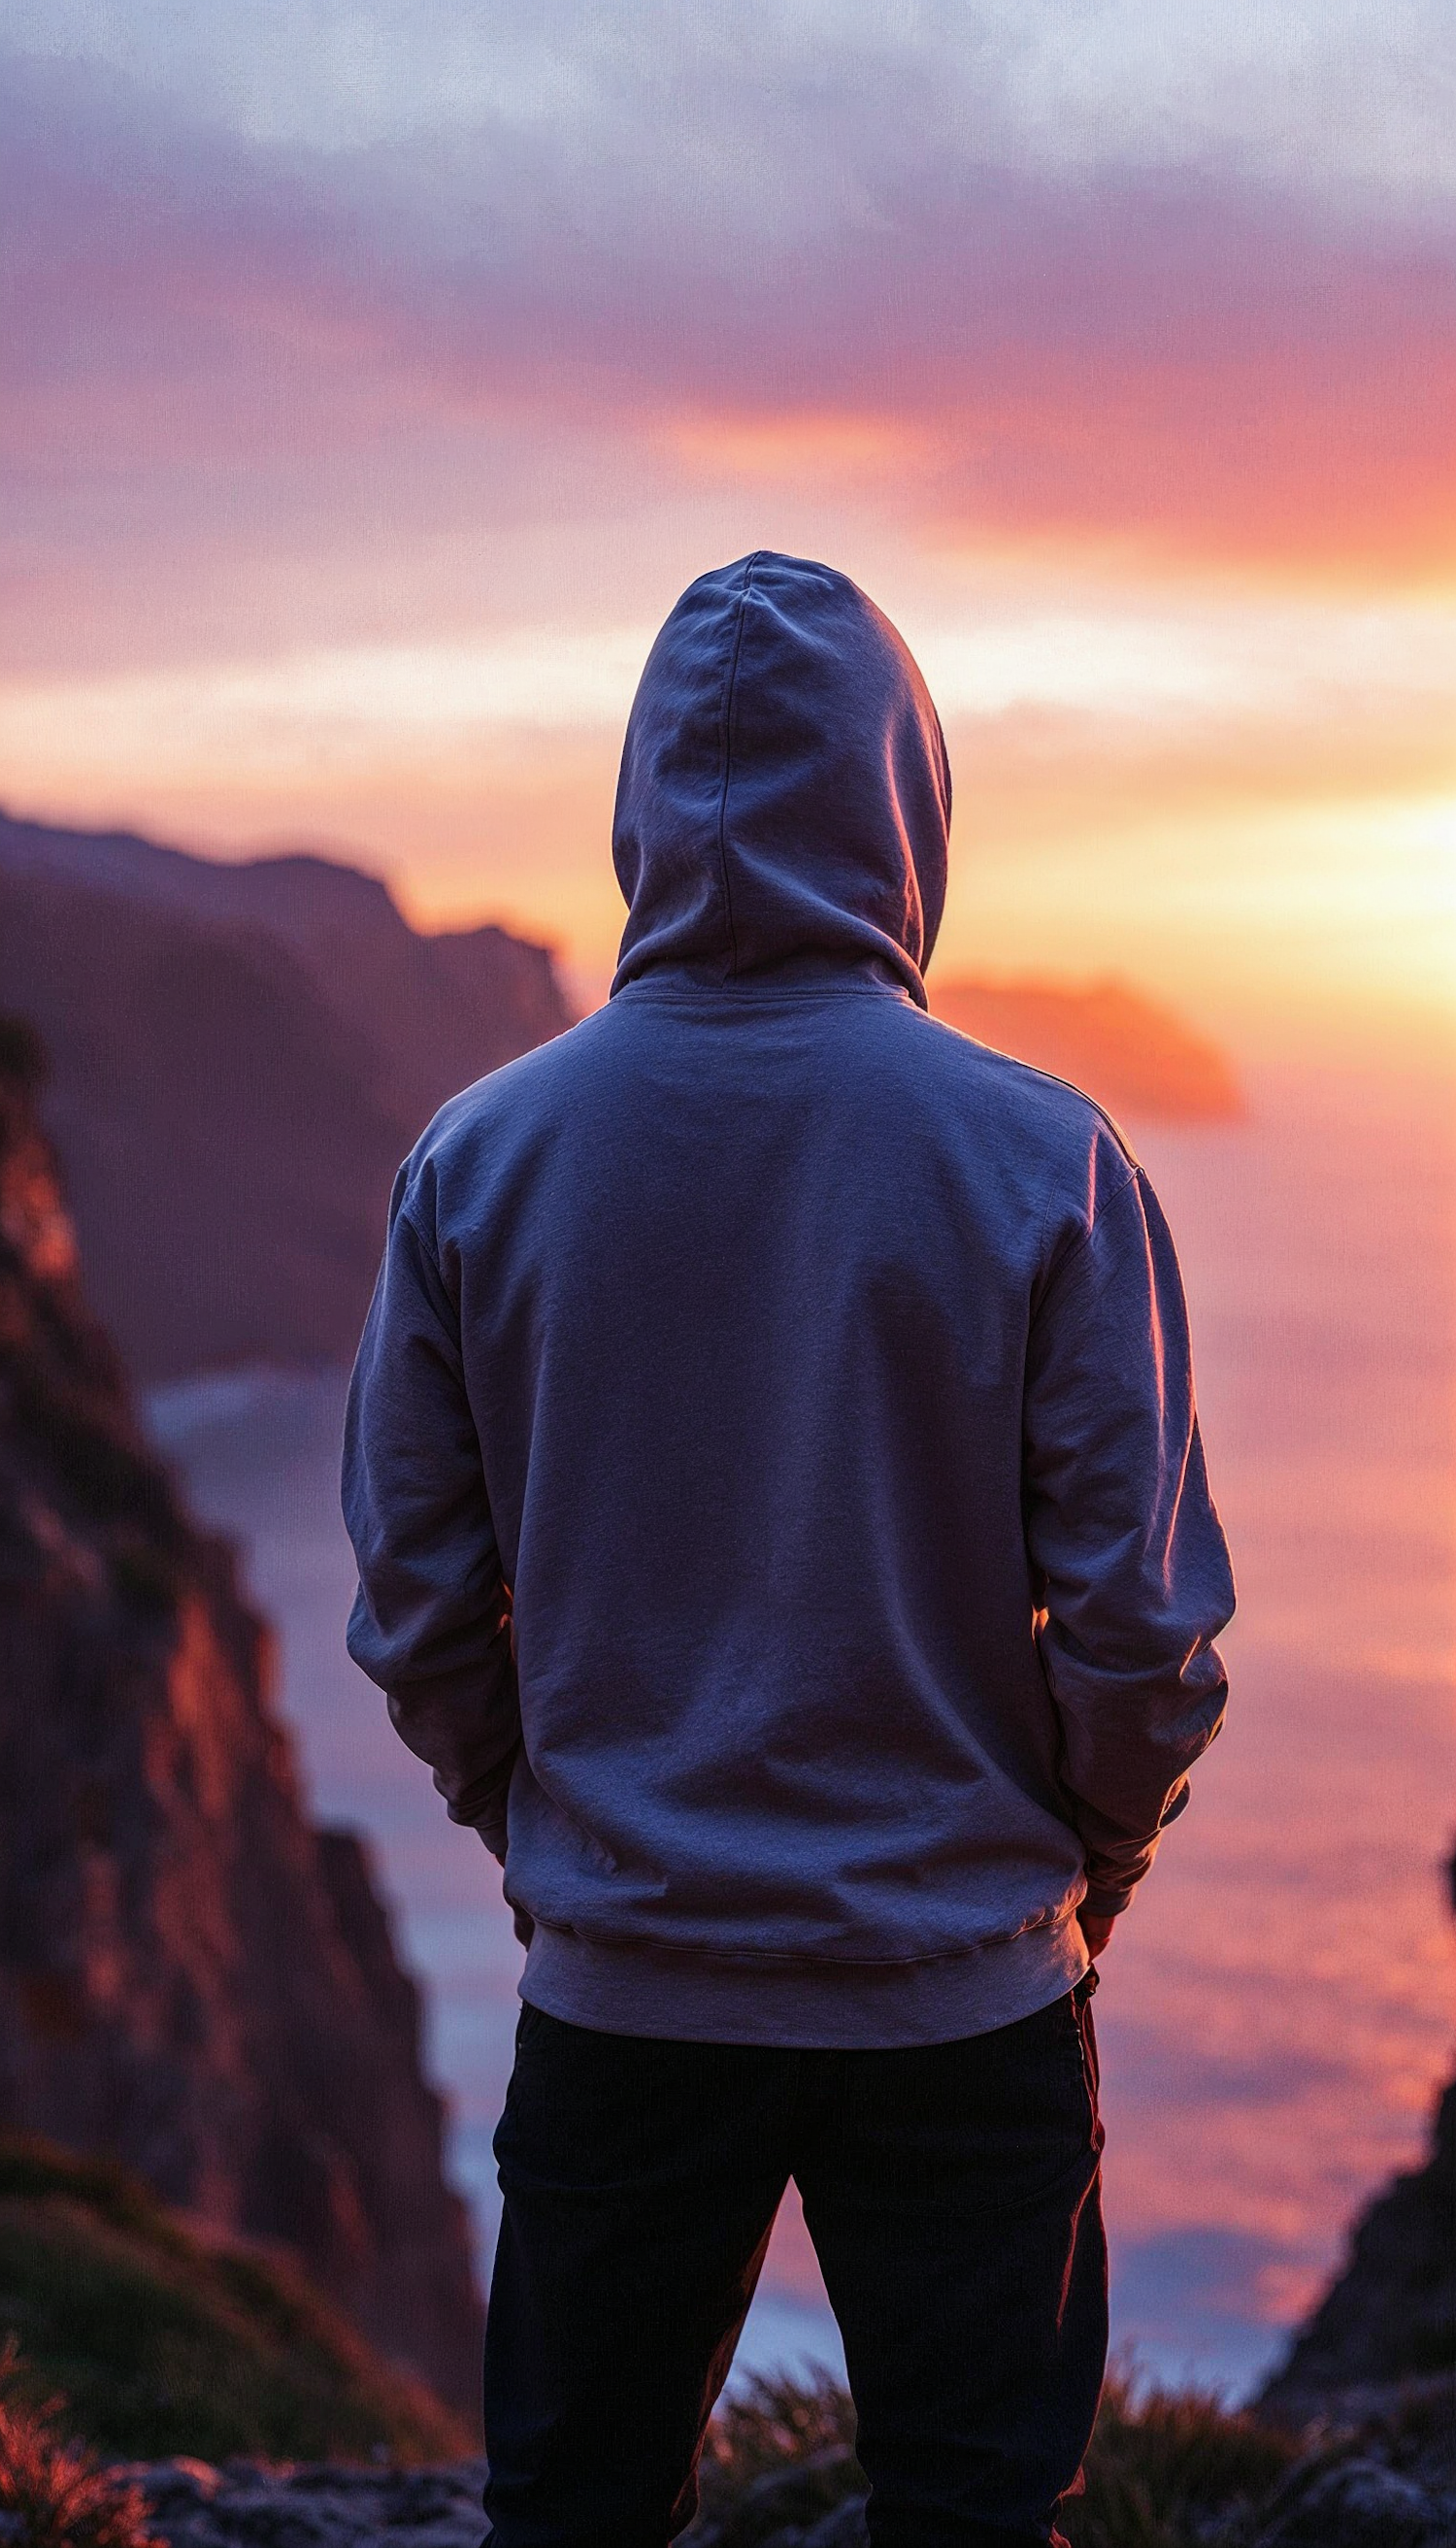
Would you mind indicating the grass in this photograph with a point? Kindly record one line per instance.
(1162, 2464)
(52, 2495)
(764, 2436)
(161, 2341)
(1161, 2471)
(165, 2342)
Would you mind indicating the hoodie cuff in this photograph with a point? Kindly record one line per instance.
(1106, 1901)
(481, 1804)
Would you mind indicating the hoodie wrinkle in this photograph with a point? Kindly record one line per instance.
(784, 800)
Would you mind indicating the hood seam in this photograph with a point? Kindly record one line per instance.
(730, 686)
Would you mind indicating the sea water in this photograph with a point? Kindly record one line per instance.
(1276, 2010)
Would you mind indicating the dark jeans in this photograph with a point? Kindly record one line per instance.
(953, 2196)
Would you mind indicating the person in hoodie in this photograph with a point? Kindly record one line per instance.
(783, 1526)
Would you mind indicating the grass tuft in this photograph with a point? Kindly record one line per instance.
(52, 2495)
(764, 2434)
(1162, 2464)
(1164, 2471)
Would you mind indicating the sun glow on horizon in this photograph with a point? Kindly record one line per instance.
(1207, 791)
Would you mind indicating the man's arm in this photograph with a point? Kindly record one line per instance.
(431, 1623)
(1129, 1560)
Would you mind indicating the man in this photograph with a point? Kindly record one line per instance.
(783, 1526)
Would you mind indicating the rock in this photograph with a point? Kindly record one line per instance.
(1391, 2313)
(179, 2488)
(192, 1980)
(245, 2506)
(783, 2507)
(1355, 2503)
(1389, 2318)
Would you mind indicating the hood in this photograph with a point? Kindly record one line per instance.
(784, 800)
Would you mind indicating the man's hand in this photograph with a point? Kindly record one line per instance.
(1096, 1931)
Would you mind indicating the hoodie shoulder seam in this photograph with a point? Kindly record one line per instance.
(730, 685)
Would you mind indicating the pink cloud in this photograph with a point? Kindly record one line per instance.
(1173, 368)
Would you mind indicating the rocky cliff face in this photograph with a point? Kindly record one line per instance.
(191, 1978)
(242, 1055)
(1390, 2316)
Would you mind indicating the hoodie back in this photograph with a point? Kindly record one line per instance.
(771, 1457)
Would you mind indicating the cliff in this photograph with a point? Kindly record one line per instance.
(241, 1057)
(242, 1053)
(1133, 1054)
(192, 1980)
(162, 2339)
(1390, 2315)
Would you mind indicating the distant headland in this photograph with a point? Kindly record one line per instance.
(241, 1053)
(1134, 1055)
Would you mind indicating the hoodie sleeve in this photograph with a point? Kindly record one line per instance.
(431, 1622)
(1130, 1566)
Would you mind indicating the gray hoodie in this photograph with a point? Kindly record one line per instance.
(771, 1458)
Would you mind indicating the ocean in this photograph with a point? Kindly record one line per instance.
(1276, 2010)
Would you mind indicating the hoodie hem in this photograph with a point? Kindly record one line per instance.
(814, 2007)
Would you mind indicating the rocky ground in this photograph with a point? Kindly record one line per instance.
(1384, 2478)
(195, 2505)
(192, 2506)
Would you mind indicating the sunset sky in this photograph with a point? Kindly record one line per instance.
(377, 373)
